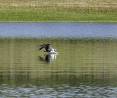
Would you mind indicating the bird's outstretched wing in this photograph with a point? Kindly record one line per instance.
(44, 46)
(41, 47)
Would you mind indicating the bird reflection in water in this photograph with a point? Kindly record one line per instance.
(48, 58)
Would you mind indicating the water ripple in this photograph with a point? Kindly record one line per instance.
(63, 91)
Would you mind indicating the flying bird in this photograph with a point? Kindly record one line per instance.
(48, 48)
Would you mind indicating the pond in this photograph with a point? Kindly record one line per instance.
(83, 68)
(61, 30)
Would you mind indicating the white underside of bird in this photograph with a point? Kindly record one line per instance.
(53, 51)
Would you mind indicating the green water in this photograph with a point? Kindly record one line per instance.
(79, 63)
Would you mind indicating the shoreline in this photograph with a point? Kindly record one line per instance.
(58, 21)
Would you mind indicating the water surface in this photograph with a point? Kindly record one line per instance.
(82, 69)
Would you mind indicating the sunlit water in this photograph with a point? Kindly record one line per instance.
(64, 91)
(83, 68)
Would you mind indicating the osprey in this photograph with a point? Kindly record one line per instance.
(48, 48)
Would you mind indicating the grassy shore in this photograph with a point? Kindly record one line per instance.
(59, 10)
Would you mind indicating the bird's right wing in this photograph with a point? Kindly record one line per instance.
(42, 46)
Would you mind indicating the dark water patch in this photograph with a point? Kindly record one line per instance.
(53, 79)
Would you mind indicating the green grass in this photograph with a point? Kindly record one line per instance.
(58, 14)
(59, 10)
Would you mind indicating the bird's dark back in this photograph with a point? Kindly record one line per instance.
(47, 48)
